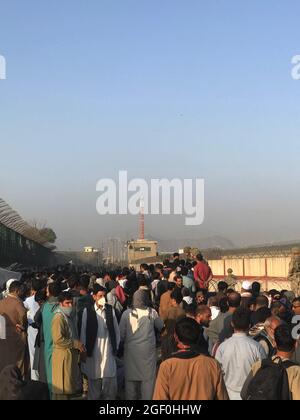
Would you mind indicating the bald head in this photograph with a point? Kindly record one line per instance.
(203, 315)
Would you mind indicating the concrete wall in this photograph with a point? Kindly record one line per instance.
(252, 267)
(271, 272)
(278, 267)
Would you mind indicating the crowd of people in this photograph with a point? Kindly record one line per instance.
(156, 333)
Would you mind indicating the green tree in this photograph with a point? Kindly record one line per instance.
(48, 234)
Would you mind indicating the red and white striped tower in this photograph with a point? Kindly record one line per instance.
(142, 219)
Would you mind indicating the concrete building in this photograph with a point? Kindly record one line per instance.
(141, 249)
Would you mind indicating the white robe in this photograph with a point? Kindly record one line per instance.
(138, 334)
(32, 307)
(102, 364)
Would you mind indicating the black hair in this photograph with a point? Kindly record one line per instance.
(187, 331)
(84, 281)
(142, 280)
(73, 281)
(191, 309)
(234, 300)
(125, 272)
(171, 285)
(296, 300)
(40, 296)
(186, 292)
(222, 286)
(262, 301)
(54, 289)
(184, 271)
(256, 288)
(97, 288)
(262, 314)
(15, 287)
(177, 296)
(156, 275)
(223, 305)
(199, 257)
(241, 319)
(65, 296)
(36, 284)
(284, 339)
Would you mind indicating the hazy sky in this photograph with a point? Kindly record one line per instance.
(167, 88)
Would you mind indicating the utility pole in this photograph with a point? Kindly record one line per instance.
(142, 219)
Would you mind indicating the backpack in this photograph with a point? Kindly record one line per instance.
(270, 382)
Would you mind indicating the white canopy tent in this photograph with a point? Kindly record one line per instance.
(8, 275)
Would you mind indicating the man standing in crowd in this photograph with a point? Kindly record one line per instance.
(101, 337)
(48, 312)
(187, 374)
(285, 345)
(137, 327)
(66, 378)
(202, 273)
(234, 302)
(13, 347)
(166, 301)
(260, 302)
(32, 307)
(188, 282)
(238, 354)
(230, 279)
(168, 346)
(200, 297)
(266, 337)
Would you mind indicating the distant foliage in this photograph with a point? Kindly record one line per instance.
(49, 235)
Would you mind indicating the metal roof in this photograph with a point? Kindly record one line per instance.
(12, 220)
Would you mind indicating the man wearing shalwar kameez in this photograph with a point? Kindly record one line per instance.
(101, 336)
(138, 327)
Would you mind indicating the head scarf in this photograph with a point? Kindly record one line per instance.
(141, 299)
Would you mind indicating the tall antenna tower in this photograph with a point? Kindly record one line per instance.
(142, 218)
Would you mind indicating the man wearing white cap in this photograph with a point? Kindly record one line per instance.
(246, 289)
(246, 294)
